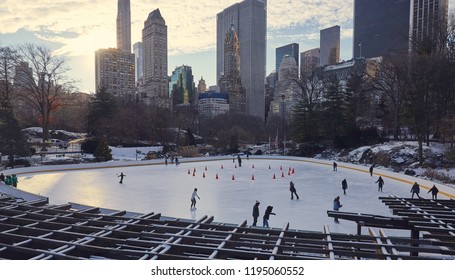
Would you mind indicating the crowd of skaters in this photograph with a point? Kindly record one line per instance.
(336, 202)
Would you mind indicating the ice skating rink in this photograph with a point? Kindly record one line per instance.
(152, 186)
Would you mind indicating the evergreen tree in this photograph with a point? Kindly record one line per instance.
(334, 117)
(103, 152)
(101, 113)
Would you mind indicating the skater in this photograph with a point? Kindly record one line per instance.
(293, 191)
(380, 182)
(121, 177)
(267, 214)
(239, 160)
(415, 190)
(8, 180)
(335, 166)
(256, 212)
(165, 160)
(193, 199)
(336, 207)
(14, 180)
(434, 192)
(344, 185)
(176, 161)
(371, 170)
(2, 178)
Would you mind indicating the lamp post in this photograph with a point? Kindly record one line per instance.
(282, 119)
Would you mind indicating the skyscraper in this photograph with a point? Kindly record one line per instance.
(114, 70)
(154, 60)
(291, 50)
(231, 82)
(427, 17)
(309, 60)
(249, 18)
(381, 27)
(330, 45)
(124, 25)
(384, 27)
(181, 86)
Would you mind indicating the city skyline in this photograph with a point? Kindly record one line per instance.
(79, 29)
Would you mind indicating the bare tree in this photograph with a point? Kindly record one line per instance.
(306, 110)
(42, 82)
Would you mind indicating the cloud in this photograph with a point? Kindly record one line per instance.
(82, 26)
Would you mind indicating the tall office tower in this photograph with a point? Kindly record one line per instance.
(309, 60)
(384, 27)
(249, 18)
(427, 17)
(381, 27)
(291, 50)
(330, 45)
(181, 86)
(114, 70)
(231, 82)
(124, 25)
(154, 60)
(137, 50)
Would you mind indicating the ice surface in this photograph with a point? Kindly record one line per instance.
(152, 186)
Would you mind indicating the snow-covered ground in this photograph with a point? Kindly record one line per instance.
(228, 192)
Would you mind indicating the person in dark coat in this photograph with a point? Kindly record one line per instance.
(434, 192)
(371, 170)
(336, 207)
(344, 185)
(2, 178)
(380, 182)
(121, 177)
(335, 166)
(415, 189)
(267, 214)
(292, 190)
(239, 160)
(256, 212)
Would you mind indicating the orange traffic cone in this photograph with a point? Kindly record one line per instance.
(203, 175)
(274, 176)
(189, 171)
(282, 174)
(235, 166)
(253, 165)
(216, 176)
(194, 173)
(252, 177)
(194, 170)
(206, 168)
(281, 167)
(233, 177)
(289, 172)
(292, 170)
(221, 166)
(269, 166)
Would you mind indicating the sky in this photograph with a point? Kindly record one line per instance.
(77, 28)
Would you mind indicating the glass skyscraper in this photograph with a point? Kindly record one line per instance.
(330, 46)
(249, 18)
(384, 27)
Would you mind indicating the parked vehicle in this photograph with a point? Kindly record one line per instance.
(58, 143)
